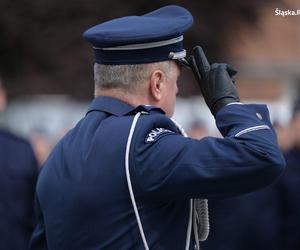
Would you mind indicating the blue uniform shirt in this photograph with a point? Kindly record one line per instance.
(82, 195)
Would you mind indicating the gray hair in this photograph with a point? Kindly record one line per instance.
(127, 77)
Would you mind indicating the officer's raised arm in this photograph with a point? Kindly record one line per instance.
(246, 159)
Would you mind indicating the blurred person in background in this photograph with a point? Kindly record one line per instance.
(289, 186)
(18, 176)
(197, 130)
(41, 144)
(283, 136)
(248, 222)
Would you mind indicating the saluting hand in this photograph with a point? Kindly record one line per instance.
(217, 85)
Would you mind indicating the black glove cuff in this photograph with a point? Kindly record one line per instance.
(221, 103)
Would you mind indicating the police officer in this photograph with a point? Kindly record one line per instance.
(125, 176)
(18, 177)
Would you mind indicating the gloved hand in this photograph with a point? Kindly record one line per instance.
(216, 83)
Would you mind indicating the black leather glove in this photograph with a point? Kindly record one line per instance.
(216, 83)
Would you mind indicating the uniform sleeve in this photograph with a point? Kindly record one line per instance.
(169, 166)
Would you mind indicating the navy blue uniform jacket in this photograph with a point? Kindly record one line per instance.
(18, 177)
(82, 196)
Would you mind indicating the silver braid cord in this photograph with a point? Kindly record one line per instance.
(200, 210)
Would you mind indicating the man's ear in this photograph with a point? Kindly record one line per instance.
(157, 83)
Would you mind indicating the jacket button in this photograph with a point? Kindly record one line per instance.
(259, 116)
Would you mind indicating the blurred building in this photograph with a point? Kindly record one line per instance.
(268, 59)
(266, 55)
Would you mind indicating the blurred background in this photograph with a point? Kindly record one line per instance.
(47, 67)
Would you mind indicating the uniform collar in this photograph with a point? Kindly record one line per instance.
(110, 105)
(117, 107)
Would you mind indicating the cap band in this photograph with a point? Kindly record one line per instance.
(145, 45)
(171, 51)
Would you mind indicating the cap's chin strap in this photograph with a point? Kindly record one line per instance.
(198, 214)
